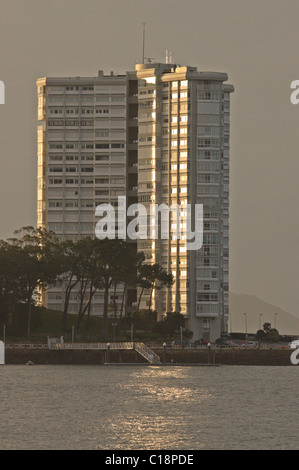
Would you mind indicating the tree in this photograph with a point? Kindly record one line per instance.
(10, 290)
(260, 335)
(38, 264)
(71, 260)
(127, 276)
(144, 273)
(267, 327)
(171, 323)
(268, 334)
(159, 278)
(110, 256)
(88, 273)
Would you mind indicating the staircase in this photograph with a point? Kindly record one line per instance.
(147, 353)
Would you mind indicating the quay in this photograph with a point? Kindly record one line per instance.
(139, 354)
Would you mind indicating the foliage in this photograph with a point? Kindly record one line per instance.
(35, 260)
(170, 324)
(268, 334)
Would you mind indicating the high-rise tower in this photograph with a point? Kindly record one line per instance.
(183, 158)
(164, 129)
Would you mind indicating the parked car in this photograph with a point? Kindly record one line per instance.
(180, 344)
(294, 344)
(225, 343)
(251, 344)
(201, 342)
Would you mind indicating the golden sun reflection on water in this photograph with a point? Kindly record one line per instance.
(149, 383)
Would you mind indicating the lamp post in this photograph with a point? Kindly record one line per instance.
(164, 353)
(114, 325)
(108, 353)
(260, 321)
(209, 353)
(245, 315)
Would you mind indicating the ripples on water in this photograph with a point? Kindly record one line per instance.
(144, 407)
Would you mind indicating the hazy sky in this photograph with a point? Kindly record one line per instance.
(254, 41)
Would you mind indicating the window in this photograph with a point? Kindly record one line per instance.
(102, 181)
(56, 99)
(102, 133)
(56, 158)
(55, 146)
(87, 170)
(55, 181)
(72, 99)
(102, 146)
(208, 95)
(71, 145)
(56, 111)
(55, 204)
(101, 192)
(87, 146)
(102, 158)
(102, 111)
(116, 98)
(117, 146)
(72, 111)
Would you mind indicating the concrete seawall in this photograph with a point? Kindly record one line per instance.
(262, 357)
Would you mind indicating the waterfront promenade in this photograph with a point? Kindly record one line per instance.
(130, 353)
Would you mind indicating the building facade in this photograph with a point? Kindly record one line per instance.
(87, 155)
(183, 159)
(159, 135)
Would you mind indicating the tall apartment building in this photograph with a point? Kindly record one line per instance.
(88, 154)
(183, 158)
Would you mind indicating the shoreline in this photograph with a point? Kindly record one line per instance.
(168, 357)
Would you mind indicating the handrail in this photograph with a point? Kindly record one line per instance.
(141, 348)
(103, 346)
(147, 353)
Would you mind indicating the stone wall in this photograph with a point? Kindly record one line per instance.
(263, 357)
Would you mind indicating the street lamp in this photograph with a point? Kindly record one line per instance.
(245, 315)
(114, 325)
(209, 353)
(275, 316)
(260, 321)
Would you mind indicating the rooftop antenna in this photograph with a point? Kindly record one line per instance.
(143, 42)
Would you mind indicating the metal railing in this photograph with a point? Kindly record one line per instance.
(147, 353)
(101, 346)
(141, 348)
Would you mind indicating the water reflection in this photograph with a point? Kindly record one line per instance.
(82, 407)
(161, 384)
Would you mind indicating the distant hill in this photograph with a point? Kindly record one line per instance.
(286, 323)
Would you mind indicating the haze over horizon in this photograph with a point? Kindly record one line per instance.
(254, 42)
